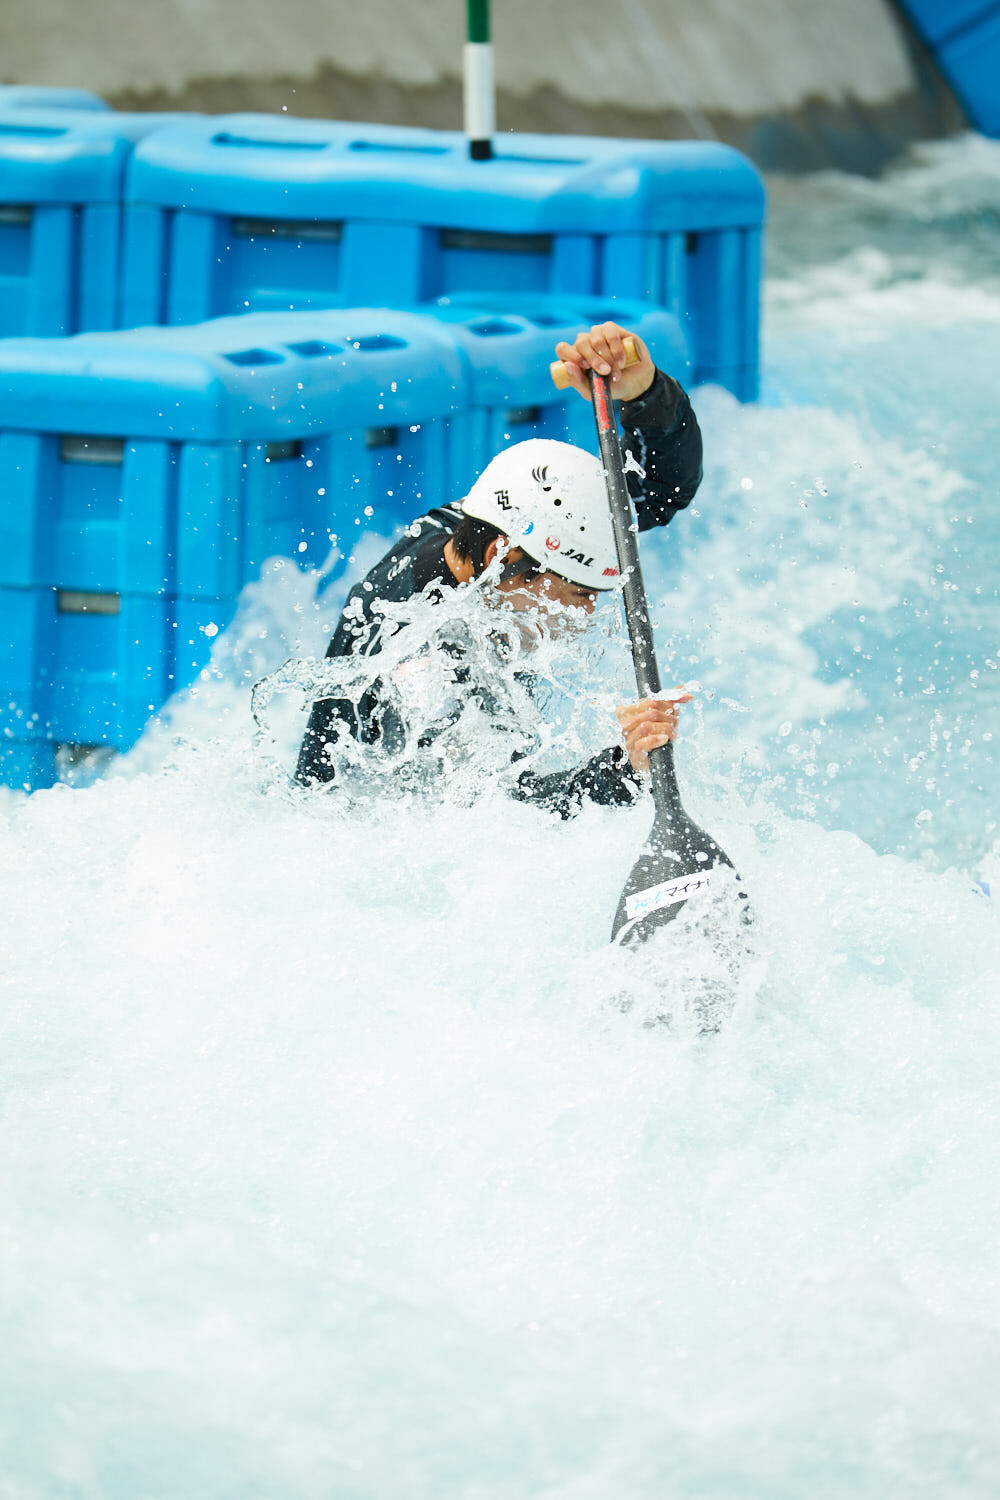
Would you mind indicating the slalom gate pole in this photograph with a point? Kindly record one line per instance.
(479, 84)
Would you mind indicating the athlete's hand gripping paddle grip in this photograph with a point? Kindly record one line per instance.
(560, 377)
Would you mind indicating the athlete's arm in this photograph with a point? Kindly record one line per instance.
(613, 777)
(662, 436)
(663, 440)
(607, 779)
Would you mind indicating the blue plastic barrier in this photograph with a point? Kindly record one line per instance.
(62, 174)
(964, 36)
(248, 213)
(83, 668)
(176, 460)
(254, 230)
(47, 96)
(148, 474)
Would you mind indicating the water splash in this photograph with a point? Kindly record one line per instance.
(465, 686)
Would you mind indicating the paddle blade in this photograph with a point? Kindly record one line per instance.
(679, 865)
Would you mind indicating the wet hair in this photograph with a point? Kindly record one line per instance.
(470, 540)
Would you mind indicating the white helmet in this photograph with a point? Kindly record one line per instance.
(550, 500)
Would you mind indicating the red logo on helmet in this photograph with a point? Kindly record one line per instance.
(553, 543)
(610, 573)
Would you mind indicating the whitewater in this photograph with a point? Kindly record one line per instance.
(341, 1155)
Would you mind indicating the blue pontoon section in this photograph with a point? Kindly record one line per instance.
(88, 668)
(150, 473)
(252, 213)
(964, 36)
(159, 460)
(62, 173)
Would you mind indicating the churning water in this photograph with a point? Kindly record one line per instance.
(341, 1156)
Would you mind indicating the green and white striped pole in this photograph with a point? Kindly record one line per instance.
(480, 108)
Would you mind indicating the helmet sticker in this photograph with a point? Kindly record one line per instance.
(518, 524)
(553, 543)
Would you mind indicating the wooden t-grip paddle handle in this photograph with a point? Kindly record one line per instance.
(560, 379)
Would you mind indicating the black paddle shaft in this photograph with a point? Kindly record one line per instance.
(678, 861)
(640, 629)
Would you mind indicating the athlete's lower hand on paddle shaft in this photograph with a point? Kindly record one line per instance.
(601, 348)
(649, 724)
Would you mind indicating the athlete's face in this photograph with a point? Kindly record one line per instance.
(560, 607)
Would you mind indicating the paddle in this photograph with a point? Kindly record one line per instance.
(680, 862)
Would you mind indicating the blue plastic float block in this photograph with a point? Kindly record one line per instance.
(47, 96)
(62, 173)
(27, 765)
(249, 212)
(176, 460)
(89, 668)
(509, 343)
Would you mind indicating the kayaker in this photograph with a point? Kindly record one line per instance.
(536, 524)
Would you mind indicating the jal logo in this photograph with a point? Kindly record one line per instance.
(553, 543)
(578, 557)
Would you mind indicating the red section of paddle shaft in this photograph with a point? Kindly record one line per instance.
(623, 521)
(603, 405)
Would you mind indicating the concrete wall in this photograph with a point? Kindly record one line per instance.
(796, 83)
